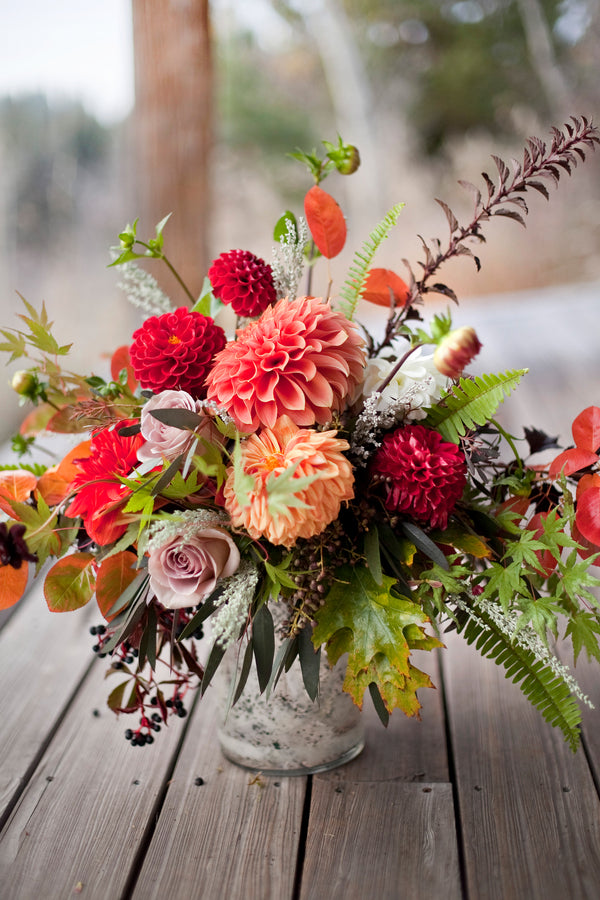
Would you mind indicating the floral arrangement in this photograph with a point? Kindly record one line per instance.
(359, 482)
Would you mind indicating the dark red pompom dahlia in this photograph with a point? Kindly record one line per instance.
(422, 475)
(175, 351)
(244, 281)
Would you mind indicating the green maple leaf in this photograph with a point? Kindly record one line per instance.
(397, 691)
(584, 630)
(378, 630)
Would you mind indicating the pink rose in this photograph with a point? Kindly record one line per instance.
(166, 441)
(186, 569)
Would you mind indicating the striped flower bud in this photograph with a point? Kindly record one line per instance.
(456, 351)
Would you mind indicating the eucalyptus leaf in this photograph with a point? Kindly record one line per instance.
(425, 544)
(378, 703)
(214, 660)
(148, 640)
(244, 673)
(279, 663)
(166, 477)
(310, 663)
(206, 610)
(186, 419)
(263, 641)
(372, 554)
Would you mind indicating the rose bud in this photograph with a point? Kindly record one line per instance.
(456, 351)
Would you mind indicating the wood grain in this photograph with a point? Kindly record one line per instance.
(236, 835)
(84, 814)
(43, 657)
(381, 840)
(529, 812)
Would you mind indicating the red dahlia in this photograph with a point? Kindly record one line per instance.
(422, 474)
(244, 281)
(175, 351)
(100, 496)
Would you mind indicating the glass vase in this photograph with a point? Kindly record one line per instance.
(289, 734)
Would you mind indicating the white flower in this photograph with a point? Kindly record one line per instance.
(416, 385)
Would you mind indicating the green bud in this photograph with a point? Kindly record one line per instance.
(24, 383)
(349, 162)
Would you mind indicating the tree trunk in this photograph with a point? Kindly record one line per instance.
(173, 86)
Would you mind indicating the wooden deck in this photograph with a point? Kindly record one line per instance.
(481, 799)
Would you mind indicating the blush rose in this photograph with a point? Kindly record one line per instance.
(185, 570)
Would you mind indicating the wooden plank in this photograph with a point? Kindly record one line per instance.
(529, 812)
(236, 835)
(43, 657)
(383, 840)
(79, 825)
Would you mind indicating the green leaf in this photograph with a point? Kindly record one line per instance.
(471, 403)
(281, 226)
(70, 583)
(310, 663)
(584, 631)
(380, 707)
(115, 698)
(283, 489)
(372, 554)
(263, 642)
(378, 631)
(357, 274)
(243, 484)
(207, 609)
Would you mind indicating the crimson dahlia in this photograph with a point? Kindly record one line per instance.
(422, 475)
(175, 351)
(244, 281)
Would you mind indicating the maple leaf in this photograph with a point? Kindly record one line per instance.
(378, 630)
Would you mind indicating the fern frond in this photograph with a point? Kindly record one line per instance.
(357, 274)
(471, 402)
(544, 689)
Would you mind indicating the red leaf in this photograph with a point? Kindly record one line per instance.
(122, 360)
(585, 482)
(586, 429)
(114, 575)
(589, 549)
(326, 221)
(587, 516)
(16, 484)
(12, 584)
(570, 461)
(378, 285)
(70, 582)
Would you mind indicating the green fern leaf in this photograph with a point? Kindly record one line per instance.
(544, 689)
(357, 275)
(471, 402)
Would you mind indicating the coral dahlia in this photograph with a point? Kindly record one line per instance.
(301, 358)
(174, 351)
(244, 281)
(269, 453)
(422, 474)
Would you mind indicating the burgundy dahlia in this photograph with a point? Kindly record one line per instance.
(244, 281)
(13, 549)
(175, 351)
(422, 475)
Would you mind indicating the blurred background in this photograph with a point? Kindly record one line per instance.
(122, 109)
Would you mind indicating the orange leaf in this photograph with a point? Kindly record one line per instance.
(122, 360)
(54, 484)
(586, 429)
(326, 221)
(587, 516)
(36, 420)
(15, 485)
(381, 285)
(70, 582)
(114, 575)
(570, 461)
(12, 584)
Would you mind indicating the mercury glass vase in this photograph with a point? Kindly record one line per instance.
(288, 733)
